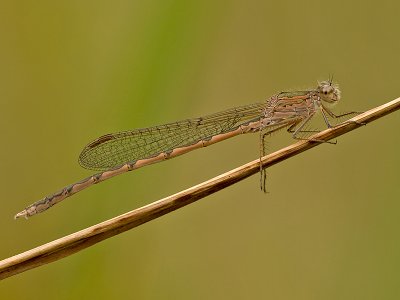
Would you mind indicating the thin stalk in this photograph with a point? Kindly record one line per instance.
(85, 238)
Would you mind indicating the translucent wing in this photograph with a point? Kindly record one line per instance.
(115, 149)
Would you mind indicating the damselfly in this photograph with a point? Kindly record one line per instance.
(120, 152)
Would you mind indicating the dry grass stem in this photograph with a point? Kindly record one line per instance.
(80, 240)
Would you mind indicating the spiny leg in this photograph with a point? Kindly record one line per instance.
(263, 173)
(325, 110)
(263, 136)
(292, 129)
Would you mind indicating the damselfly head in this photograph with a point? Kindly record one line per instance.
(328, 91)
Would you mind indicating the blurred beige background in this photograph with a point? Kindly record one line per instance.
(71, 71)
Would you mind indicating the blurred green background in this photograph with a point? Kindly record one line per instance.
(71, 71)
